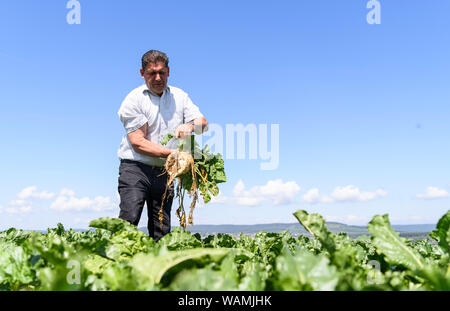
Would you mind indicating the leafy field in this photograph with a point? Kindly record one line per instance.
(117, 256)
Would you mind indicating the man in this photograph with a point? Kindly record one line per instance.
(148, 113)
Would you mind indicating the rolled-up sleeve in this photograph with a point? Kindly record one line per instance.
(131, 114)
(190, 110)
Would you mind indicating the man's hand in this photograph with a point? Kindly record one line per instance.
(200, 126)
(184, 130)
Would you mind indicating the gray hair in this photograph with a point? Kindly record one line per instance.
(154, 56)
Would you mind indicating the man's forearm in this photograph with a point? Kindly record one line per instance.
(146, 147)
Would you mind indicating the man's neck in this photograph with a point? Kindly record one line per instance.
(154, 93)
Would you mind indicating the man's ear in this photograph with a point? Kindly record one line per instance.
(168, 71)
(142, 72)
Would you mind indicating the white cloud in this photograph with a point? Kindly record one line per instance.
(348, 193)
(18, 207)
(27, 192)
(67, 192)
(31, 192)
(66, 201)
(18, 210)
(249, 201)
(313, 196)
(433, 193)
(17, 203)
(220, 198)
(25, 199)
(351, 193)
(239, 188)
(274, 192)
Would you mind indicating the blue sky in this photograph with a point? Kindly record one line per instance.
(363, 110)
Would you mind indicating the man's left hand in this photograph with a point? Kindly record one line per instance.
(184, 130)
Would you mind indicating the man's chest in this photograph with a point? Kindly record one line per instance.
(164, 114)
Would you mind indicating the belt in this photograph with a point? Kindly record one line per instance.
(140, 163)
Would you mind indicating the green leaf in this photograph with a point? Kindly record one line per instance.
(254, 278)
(148, 269)
(315, 224)
(305, 271)
(119, 277)
(178, 240)
(112, 224)
(96, 264)
(14, 235)
(220, 240)
(205, 279)
(442, 232)
(213, 189)
(436, 278)
(206, 197)
(391, 245)
(126, 239)
(14, 266)
(166, 139)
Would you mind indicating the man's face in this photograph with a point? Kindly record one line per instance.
(155, 76)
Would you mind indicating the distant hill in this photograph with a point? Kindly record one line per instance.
(414, 228)
(411, 231)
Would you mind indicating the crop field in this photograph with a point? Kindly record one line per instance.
(117, 256)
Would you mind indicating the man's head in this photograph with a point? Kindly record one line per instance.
(155, 71)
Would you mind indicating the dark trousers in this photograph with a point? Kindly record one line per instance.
(139, 184)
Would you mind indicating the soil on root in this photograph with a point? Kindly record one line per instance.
(178, 164)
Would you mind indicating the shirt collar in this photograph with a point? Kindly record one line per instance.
(146, 89)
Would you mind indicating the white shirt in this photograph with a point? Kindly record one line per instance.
(163, 115)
